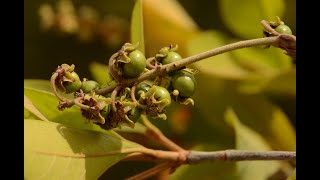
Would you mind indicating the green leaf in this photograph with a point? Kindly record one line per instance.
(47, 102)
(100, 72)
(31, 108)
(247, 139)
(244, 17)
(39, 84)
(137, 34)
(138, 128)
(221, 65)
(30, 115)
(54, 151)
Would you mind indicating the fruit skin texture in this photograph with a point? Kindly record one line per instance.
(136, 66)
(184, 82)
(73, 86)
(283, 29)
(162, 93)
(141, 86)
(171, 57)
(88, 86)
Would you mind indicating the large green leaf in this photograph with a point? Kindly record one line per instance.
(54, 151)
(32, 109)
(248, 139)
(137, 32)
(47, 102)
(243, 17)
(30, 115)
(40, 84)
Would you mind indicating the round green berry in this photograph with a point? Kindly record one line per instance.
(134, 114)
(136, 66)
(73, 86)
(162, 93)
(184, 82)
(88, 86)
(283, 29)
(105, 111)
(141, 87)
(171, 57)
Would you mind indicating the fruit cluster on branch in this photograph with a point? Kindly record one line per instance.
(125, 104)
(148, 86)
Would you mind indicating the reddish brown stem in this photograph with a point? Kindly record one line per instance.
(154, 133)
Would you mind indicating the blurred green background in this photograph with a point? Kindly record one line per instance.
(258, 84)
(43, 51)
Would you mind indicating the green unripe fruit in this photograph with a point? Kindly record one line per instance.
(134, 114)
(283, 29)
(171, 57)
(136, 66)
(141, 86)
(105, 111)
(162, 93)
(184, 82)
(88, 86)
(73, 86)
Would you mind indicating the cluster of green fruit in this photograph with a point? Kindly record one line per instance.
(124, 105)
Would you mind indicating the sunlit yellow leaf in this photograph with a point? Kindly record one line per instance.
(29, 106)
(54, 151)
(166, 22)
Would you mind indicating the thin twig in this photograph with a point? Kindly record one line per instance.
(239, 155)
(133, 96)
(141, 157)
(149, 65)
(230, 47)
(113, 97)
(192, 59)
(153, 132)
